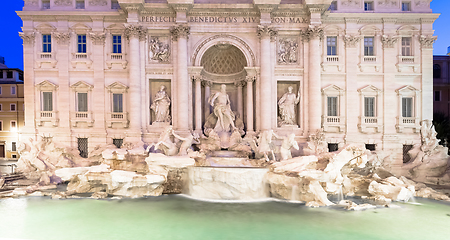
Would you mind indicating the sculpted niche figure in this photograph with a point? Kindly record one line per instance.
(161, 105)
(222, 110)
(286, 105)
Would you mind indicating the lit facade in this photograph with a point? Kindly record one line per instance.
(441, 75)
(363, 69)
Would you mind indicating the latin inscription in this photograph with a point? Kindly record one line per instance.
(230, 20)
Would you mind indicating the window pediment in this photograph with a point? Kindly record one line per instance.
(117, 87)
(81, 86)
(80, 28)
(333, 89)
(370, 89)
(45, 28)
(46, 86)
(369, 31)
(407, 90)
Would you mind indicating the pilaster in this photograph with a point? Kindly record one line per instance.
(426, 43)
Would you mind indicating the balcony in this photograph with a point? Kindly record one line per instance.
(370, 124)
(332, 59)
(406, 63)
(81, 59)
(117, 118)
(331, 64)
(82, 117)
(47, 116)
(370, 59)
(333, 123)
(46, 59)
(116, 58)
(408, 122)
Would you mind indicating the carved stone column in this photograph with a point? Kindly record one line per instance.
(28, 67)
(389, 113)
(264, 33)
(240, 103)
(98, 92)
(426, 43)
(351, 93)
(314, 34)
(133, 33)
(207, 85)
(180, 34)
(249, 80)
(198, 103)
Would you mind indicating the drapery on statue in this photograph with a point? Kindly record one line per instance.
(287, 107)
(222, 110)
(161, 105)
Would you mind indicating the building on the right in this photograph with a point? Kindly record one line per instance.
(441, 83)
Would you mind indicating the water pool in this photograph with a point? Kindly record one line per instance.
(176, 217)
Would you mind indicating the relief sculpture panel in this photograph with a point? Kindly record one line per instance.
(159, 50)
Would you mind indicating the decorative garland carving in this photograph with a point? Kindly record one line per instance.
(423, 3)
(31, 2)
(98, 38)
(224, 36)
(287, 51)
(98, 2)
(351, 3)
(62, 38)
(387, 3)
(388, 41)
(427, 41)
(27, 37)
(135, 31)
(63, 2)
(351, 41)
(181, 30)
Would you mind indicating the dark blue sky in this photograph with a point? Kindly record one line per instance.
(11, 44)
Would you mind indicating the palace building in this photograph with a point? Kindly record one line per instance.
(110, 71)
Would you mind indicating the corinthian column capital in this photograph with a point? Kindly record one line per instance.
(312, 32)
(181, 30)
(98, 38)
(27, 37)
(135, 31)
(267, 31)
(351, 41)
(427, 41)
(62, 38)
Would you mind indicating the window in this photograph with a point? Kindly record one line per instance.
(79, 4)
(117, 102)
(406, 6)
(369, 107)
(436, 71)
(1, 74)
(115, 4)
(12, 107)
(13, 125)
(331, 46)
(0, 107)
(117, 44)
(14, 155)
(333, 6)
(83, 147)
(371, 147)
(13, 147)
(407, 104)
(45, 4)
(437, 96)
(332, 106)
(1, 125)
(13, 90)
(368, 6)
(9, 74)
(0, 90)
(47, 101)
(333, 147)
(118, 142)
(368, 46)
(82, 102)
(406, 46)
(46, 43)
(81, 43)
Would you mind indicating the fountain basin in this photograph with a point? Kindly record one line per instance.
(227, 183)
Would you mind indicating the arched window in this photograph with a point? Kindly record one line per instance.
(436, 71)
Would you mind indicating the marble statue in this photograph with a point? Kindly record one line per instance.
(286, 105)
(288, 143)
(428, 136)
(222, 110)
(166, 144)
(161, 105)
(186, 142)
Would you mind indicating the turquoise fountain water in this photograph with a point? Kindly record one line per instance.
(175, 217)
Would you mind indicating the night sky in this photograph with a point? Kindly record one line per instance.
(11, 44)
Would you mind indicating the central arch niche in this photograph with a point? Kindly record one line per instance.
(223, 59)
